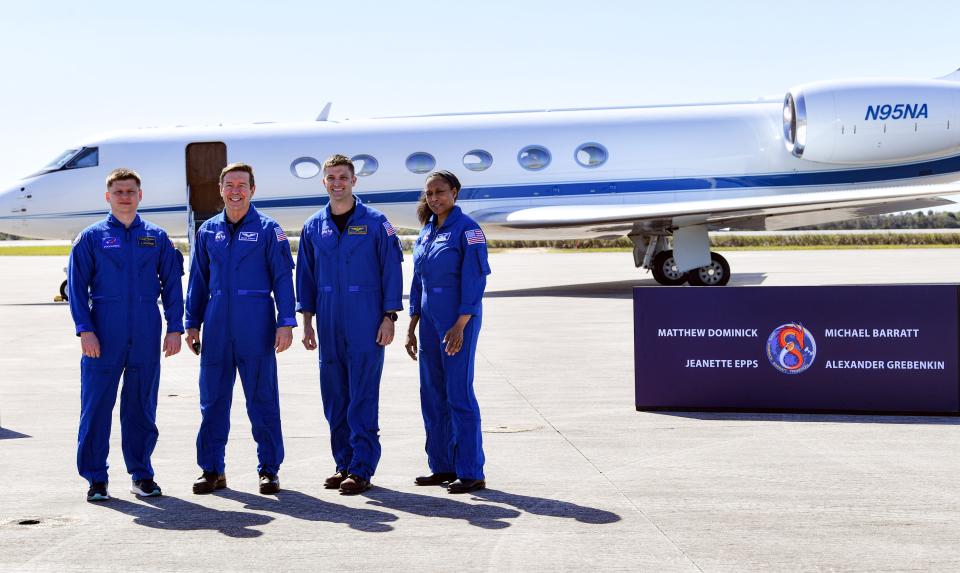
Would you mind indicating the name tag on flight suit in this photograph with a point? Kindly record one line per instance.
(147, 241)
(249, 236)
(357, 230)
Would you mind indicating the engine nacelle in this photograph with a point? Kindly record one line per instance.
(872, 121)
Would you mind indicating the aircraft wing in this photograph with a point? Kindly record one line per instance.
(772, 212)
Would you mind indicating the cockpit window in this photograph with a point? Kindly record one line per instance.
(73, 159)
(88, 157)
(60, 161)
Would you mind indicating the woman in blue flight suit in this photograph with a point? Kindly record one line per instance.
(449, 276)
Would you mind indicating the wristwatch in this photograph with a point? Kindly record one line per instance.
(391, 315)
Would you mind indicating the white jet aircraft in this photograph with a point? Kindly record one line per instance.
(661, 175)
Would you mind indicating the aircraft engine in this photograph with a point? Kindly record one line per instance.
(872, 121)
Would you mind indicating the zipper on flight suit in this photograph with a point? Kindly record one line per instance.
(128, 244)
(228, 276)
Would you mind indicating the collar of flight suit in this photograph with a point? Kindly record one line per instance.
(114, 222)
(251, 215)
(451, 218)
(359, 212)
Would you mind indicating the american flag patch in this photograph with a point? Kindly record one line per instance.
(475, 237)
(389, 228)
(281, 236)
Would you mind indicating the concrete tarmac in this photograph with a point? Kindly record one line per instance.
(577, 478)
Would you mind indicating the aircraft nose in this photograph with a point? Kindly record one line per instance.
(11, 210)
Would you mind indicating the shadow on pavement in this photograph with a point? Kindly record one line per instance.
(484, 516)
(302, 506)
(613, 289)
(175, 514)
(610, 289)
(34, 304)
(6, 434)
(825, 417)
(548, 507)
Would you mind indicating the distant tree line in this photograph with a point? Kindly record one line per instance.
(928, 220)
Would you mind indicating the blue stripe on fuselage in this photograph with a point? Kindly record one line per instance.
(594, 188)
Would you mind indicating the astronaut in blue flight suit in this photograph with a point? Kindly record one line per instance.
(349, 275)
(118, 268)
(239, 257)
(449, 275)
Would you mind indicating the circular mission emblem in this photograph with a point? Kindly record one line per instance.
(791, 348)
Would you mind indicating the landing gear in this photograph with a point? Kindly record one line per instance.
(63, 291)
(717, 273)
(665, 270)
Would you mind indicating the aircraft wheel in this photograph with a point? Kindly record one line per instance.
(717, 273)
(63, 290)
(665, 270)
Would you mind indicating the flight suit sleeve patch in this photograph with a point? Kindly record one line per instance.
(475, 237)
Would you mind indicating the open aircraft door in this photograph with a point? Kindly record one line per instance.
(204, 163)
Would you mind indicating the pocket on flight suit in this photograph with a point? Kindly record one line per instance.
(264, 373)
(260, 326)
(366, 313)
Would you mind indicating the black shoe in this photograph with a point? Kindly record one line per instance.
(435, 479)
(466, 485)
(208, 482)
(354, 484)
(98, 492)
(334, 481)
(145, 488)
(269, 484)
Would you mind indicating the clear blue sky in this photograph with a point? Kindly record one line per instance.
(72, 69)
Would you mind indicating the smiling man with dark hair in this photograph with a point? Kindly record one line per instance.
(240, 257)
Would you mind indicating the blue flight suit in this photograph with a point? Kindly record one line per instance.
(450, 271)
(115, 276)
(349, 281)
(233, 270)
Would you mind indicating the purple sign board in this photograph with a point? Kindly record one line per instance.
(828, 349)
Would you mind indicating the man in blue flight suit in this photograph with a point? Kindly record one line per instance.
(239, 258)
(117, 270)
(349, 276)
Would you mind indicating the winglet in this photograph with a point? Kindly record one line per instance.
(951, 77)
(325, 113)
